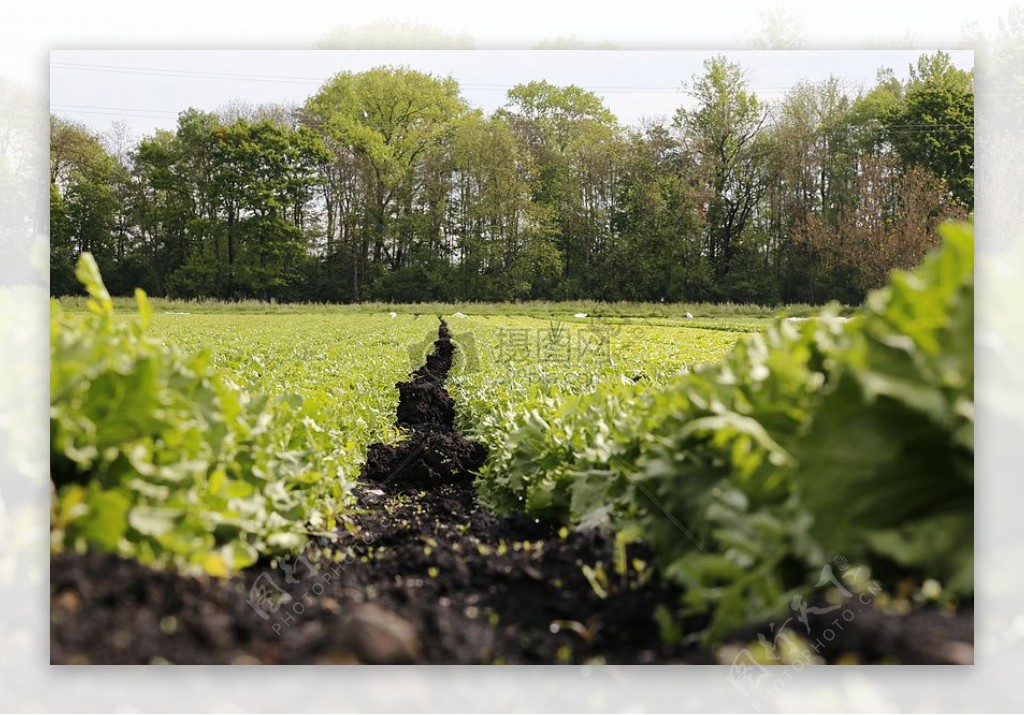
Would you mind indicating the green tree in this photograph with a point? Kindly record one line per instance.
(253, 182)
(389, 120)
(490, 205)
(384, 185)
(934, 128)
(164, 206)
(62, 247)
(573, 140)
(82, 199)
(815, 150)
(225, 210)
(723, 132)
(265, 174)
(656, 250)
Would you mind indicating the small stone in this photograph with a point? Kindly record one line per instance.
(338, 656)
(330, 605)
(68, 601)
(121, 640)
(378, 636)
(168, 624)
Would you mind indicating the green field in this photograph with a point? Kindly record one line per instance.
(744, 451)
(318, 383)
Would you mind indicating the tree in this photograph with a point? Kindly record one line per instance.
(385, 185)
(252, 182)
(890, 225)
(723, 133)
(165, 204)
(224, 209)
(264, 174)
(82, 199)
(934, 128)
(812, 165)
(389, 120)
(490, 206)
(62, 247)
(573, 140)
(656, 251)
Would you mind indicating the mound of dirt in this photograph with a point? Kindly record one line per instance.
(430, 577)
(426, 458)
(425, 404)
(433, 452)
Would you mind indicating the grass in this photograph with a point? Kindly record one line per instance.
(621, 310)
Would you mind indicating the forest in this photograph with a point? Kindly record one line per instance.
(387, 185)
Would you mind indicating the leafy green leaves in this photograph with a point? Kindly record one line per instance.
(164, 457)
(804, 442)
(894, 433)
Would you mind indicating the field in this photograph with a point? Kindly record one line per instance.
(549, 483)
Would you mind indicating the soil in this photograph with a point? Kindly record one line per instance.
(420, 573)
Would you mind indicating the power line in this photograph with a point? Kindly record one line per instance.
(199, 74)
(911, 128)
(120, 112)
(115, 109)
(232, 76)
(292, 79)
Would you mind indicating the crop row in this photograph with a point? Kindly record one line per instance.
(206, 442)
(511, 366)
(748, 476)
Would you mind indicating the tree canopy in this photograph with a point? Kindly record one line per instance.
(387, 185)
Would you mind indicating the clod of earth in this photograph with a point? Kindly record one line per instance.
(433, 452)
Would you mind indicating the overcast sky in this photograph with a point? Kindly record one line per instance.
(148, 88)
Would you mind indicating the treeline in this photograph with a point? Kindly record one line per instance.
(386, 185)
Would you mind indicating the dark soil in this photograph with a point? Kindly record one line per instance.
(420, 573)
(433, 453)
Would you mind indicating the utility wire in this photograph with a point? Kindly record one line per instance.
(913, 128)
(248, 77)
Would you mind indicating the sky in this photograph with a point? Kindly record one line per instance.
(146, 89)
(25, 26)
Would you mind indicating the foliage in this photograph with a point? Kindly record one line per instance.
(386, 186)
(806, 441)
(387, 126)
(731, 316)
(743, 466)
(527, 368)
(895, 431)
(724, 134)
(83, 203)
(166, 458)
(934, 126)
